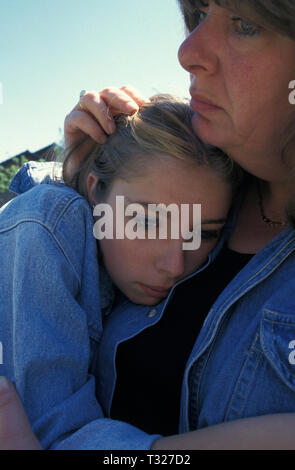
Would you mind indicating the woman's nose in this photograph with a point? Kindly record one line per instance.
(171, 259)
(198, 53)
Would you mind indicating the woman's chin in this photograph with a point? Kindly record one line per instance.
(208, 131)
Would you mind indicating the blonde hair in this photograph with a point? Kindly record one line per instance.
(160, 128)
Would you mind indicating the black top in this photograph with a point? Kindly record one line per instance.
(150, 366)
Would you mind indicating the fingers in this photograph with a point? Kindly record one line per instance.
(135, 95)
(93, 115)
(93, 104)
(15, 430)
(125, 100)
(80, 123)
(104, 105)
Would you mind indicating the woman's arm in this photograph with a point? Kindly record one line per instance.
(273, 432)
(269, 432)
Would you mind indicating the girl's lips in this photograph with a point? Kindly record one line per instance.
(156, 292)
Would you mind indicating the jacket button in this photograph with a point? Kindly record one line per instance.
(152, 313)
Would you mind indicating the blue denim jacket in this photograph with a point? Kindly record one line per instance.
(59, 339)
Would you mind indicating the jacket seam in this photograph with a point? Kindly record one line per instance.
(257, 273)
(36, 221)
(65, 208)
(256, 362)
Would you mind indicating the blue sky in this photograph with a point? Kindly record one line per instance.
(51, 49)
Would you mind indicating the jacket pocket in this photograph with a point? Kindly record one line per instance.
(277, 337)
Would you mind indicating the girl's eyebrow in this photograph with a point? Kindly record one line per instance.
(143, 203)
(204, 222)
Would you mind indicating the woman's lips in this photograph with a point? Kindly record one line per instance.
(203, 106)
(156, 292)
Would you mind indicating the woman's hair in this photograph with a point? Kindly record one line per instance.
(160, 129)
(278, 15)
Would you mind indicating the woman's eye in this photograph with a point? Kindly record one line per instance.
(245, 29)
(199, 15)
(202, 15)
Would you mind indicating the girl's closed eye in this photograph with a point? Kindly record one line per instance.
(146, 221)
(209, 234)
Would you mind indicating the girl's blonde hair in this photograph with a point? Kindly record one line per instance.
(159, 129)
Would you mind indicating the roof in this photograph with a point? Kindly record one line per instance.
(45, 153)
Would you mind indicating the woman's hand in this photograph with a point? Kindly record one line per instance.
(93, 115)
(15, 430)
(91, 120)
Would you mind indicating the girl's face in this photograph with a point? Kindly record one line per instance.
(240, 75)
(146, 269)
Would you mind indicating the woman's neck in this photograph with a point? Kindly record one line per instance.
(274, 197)
(251, 232)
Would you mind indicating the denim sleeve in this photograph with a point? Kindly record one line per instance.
(50, 350)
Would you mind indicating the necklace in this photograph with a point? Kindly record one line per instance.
(265, 219)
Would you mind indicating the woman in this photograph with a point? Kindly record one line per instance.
(238, 387)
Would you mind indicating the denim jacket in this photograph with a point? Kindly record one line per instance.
(59, 338)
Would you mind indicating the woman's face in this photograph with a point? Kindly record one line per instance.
(145, 269)
(240, 75)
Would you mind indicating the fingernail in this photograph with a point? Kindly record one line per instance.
(131, 107)
(4, 384)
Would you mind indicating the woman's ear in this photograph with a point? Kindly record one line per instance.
(92, 181)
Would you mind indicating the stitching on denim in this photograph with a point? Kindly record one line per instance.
(263, 268)
(227, 303)
(93, 334)
(194, 386)
(36, 221)
(237, 395)
(200, 367)
(271, 356)
(288, 316)
(69, 200)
